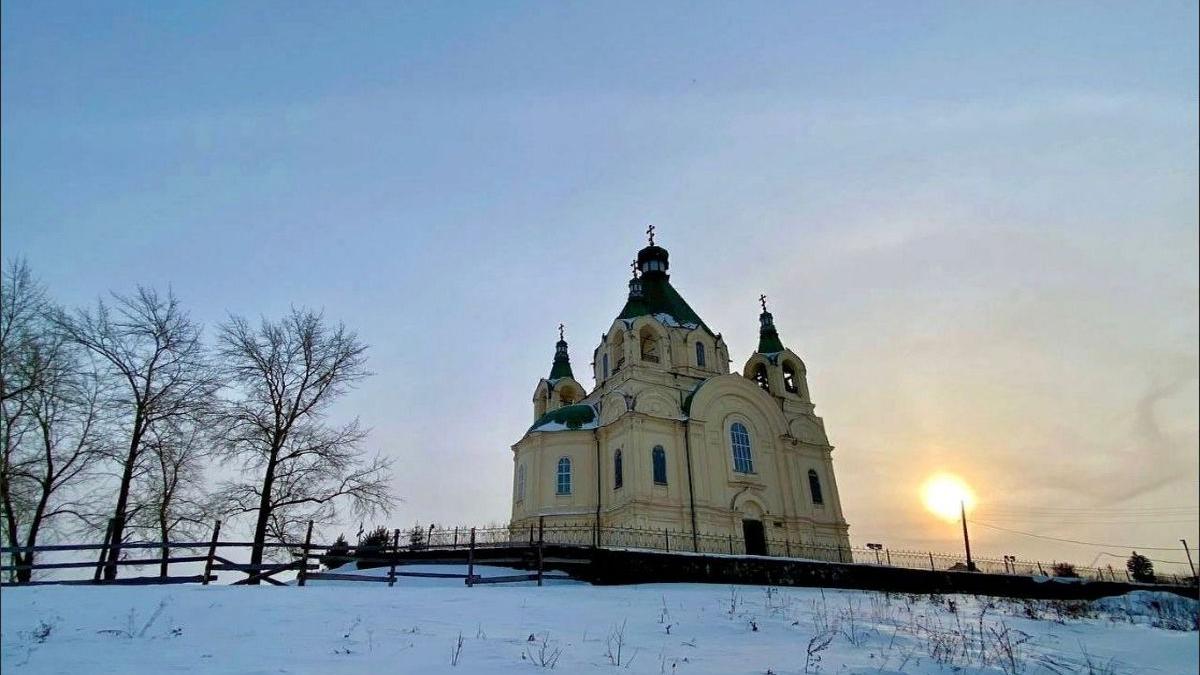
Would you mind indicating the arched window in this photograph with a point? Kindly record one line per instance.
(649, 345)
(658, 458)
(739, 438)
(604, 360)
(520, 482)
(564, 476)
(760, 377)
(700, 355)
(814, 486)
(789, 378)
(618, 471)
(618, 350)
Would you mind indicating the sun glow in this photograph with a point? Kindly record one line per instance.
(942, 494)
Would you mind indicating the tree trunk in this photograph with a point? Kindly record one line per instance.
(264, 513)
(118, 532)
(166, 549)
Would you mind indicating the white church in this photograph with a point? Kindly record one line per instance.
(671, 440)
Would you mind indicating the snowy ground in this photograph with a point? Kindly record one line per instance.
(680, 629)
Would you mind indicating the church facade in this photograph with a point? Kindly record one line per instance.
(669, 439)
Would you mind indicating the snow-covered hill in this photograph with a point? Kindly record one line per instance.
(680, 629)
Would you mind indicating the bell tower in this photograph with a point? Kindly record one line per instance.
(561, 388)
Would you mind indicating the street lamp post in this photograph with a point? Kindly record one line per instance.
(966, 539)
(877, 548)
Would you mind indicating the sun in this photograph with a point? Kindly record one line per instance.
(942, 494)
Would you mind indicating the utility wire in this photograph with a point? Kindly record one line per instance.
(1091, 510)
(1074, 541)
(1114, 555)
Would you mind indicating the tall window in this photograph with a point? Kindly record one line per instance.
(659, 458)
(739, 438)
(700, 355)
(564, 476)
(814, 486)
(789, 378)
(760, 377)
(604, 360)
(520, 482)
(618, 471)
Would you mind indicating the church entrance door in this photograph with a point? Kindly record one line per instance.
(756, 542)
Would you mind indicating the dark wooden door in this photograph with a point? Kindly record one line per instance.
(756, 541)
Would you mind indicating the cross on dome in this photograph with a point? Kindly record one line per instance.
(634, 267)
(762, 299)
(650, 233)
(560, 331)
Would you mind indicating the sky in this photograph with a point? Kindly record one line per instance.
(976, 223)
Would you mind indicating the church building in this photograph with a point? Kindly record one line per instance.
(669, 440)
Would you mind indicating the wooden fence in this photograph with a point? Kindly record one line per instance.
(303, 555)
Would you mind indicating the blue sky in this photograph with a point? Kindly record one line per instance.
(976, 223)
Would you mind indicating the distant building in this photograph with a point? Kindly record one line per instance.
(670, 439)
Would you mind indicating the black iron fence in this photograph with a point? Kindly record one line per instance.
(675, 541)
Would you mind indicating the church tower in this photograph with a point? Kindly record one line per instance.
(671, 441)
(560, 389)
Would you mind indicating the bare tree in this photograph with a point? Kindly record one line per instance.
(172, 504)
(49, 420)
(287, 374)
(22, 310)
(153, 352)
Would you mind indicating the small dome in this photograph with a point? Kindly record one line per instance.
(568, 417)
(652, 259)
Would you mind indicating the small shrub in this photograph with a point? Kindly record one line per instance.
(374, 543)
(1064, 569)
(1140, 568)
(336, 555)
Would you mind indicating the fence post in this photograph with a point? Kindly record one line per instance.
(730, 544)
(539, 551)
(103, 552)
(787, 548)
(212, 552)
(931, 561)
(667, 538)
(455, 538)
(530, 534)
(395, 555)
(302, 575)
(166, 557)
(889, 556)
(1040, 570)
(471, 558)
(541, 528)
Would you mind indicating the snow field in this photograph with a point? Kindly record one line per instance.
(441, 626)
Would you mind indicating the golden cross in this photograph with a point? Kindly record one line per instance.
(763, 299)
(650, 231)
(560, 331)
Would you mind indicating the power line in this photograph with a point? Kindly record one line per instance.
(1091, 510)
(1114, 555)
(1066, 520)
(1074, 541)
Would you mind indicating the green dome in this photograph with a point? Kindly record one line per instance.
(653, 295)
(568, 417)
